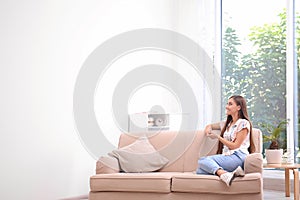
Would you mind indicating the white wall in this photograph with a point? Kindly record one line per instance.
(43, 45)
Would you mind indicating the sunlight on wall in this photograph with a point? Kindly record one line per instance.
(149, 95)
(44, 44)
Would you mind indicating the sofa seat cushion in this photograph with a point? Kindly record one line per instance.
(189, 182)
(159, 182)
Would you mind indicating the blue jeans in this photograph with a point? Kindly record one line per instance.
(210, 164)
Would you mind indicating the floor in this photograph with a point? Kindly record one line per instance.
(276, 195)
(274, 185)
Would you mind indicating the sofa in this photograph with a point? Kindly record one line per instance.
(175, 179)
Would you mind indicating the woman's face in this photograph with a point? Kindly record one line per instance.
(232, 108)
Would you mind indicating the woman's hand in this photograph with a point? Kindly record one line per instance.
(207, 130)
(213, 136)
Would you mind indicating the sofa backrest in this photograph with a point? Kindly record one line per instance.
(184, 148)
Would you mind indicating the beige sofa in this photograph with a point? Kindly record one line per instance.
(177, 179)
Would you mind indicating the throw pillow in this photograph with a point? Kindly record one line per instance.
(253, 163)
(107, 165)
(140, 156)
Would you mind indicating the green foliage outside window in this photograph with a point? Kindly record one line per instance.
(259, 76)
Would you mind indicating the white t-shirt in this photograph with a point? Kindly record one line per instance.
(230, 135)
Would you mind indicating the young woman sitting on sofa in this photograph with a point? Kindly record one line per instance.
(235, 143)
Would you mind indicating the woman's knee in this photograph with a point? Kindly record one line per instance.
(203, 161)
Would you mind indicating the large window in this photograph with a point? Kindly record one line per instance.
(254, 57)
(297, 8)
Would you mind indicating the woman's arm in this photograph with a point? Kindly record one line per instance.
(216, 126)
(240, 137)
(210, 127)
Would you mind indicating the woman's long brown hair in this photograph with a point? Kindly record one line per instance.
(243, 114)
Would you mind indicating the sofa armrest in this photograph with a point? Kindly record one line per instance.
(107, 165)
(253, 163)
(218, 125)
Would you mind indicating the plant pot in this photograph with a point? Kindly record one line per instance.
(274, 156)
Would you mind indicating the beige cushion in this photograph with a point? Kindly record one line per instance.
(253, 163)
(132, 182)
(107, 165)
(139, 156)
(188, 182)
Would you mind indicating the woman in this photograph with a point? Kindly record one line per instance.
(235, 143)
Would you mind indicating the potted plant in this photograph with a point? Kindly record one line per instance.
(275, 151)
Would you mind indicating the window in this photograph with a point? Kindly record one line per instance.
(297, 9)
(254, 57)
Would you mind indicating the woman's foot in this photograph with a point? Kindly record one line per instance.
(239, 171)
(227, 178)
